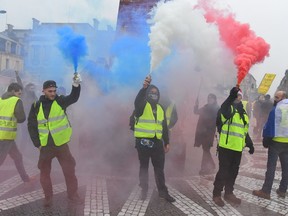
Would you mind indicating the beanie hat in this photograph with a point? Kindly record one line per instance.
(240, 93)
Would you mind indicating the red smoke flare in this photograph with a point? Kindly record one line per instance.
(246, 46)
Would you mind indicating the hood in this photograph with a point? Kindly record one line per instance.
(148, 91)
(7, 95)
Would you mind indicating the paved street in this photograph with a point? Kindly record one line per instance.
(119, 195)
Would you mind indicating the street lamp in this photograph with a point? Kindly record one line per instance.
(4, 12)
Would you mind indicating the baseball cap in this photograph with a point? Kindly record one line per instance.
(49, 83)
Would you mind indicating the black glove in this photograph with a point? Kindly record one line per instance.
(233, 93)
(251, 150)
(266, 142)
(249, 143)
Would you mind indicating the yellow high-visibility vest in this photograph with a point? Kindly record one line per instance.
(168, 113)
(233, 132)
(8, 122)
(147, 126)
(57, 125)
(245, 103)
(282, 128)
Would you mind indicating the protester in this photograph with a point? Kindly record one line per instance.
(50, 132)
(275, 138)
(205, 131)
(151, 131)
(11, 113)
(232, 125)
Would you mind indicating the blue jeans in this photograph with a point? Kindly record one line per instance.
(276, 150)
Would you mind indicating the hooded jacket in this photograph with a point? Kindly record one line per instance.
(140, 102)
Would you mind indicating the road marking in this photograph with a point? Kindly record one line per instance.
(15, 181)
(134, 205)
(204, 188)
(96, 199)
(186, 205)
(28, 197)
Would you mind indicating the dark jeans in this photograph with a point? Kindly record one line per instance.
(229, 162)
(207, 164)
(10, 147)
(67, 163)
(157, 156)
(276, 150)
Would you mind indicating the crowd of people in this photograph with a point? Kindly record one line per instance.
(152, 121)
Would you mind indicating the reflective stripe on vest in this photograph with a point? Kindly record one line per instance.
(8, 122)
(147, 126)
(169, 113)
(57, 125)
(281, 122)
(233, 132)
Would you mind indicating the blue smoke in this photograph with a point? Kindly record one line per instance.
(131, 53)
(72, 45)
(101, 74)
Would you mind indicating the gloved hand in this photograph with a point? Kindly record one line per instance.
(76, 80)
(147, 81)
(266, 141)
(251, 149)
(234, 92)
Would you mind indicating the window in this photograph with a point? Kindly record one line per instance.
(18, 49)
(8, 47)
(7, 64)
(35, 54)
(17, 65)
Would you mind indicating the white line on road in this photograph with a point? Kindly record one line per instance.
(96, 199)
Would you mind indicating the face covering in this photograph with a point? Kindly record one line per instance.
(153, 96)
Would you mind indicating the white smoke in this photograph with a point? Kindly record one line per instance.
(176, 25)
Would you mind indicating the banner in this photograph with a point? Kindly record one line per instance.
(266, 83)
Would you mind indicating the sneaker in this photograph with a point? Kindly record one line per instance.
(232, 199)
(218, 201)
(281, 194)
(75, 200)
(167, 197)
(261, 194)
(143, 195)
(47, 202)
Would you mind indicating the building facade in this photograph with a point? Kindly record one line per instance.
(11, 58)
(131, 14)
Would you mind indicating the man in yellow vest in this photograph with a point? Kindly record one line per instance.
(233, 138)
(50, 131)
(275, 138)
(11, 113)
(151, 131)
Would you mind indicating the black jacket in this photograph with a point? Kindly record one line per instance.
(63, 101)
(140, 103)
(19, 109)
(206, 127)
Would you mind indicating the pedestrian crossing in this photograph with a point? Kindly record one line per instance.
(194, 199)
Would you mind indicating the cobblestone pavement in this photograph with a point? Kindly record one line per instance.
(111, 195)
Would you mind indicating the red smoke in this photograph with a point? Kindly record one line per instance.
(248, 48)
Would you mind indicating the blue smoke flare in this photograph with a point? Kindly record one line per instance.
(73, 46)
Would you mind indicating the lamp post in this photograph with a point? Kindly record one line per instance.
(4, 12)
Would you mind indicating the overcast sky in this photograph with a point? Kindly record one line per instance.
(266, 17)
